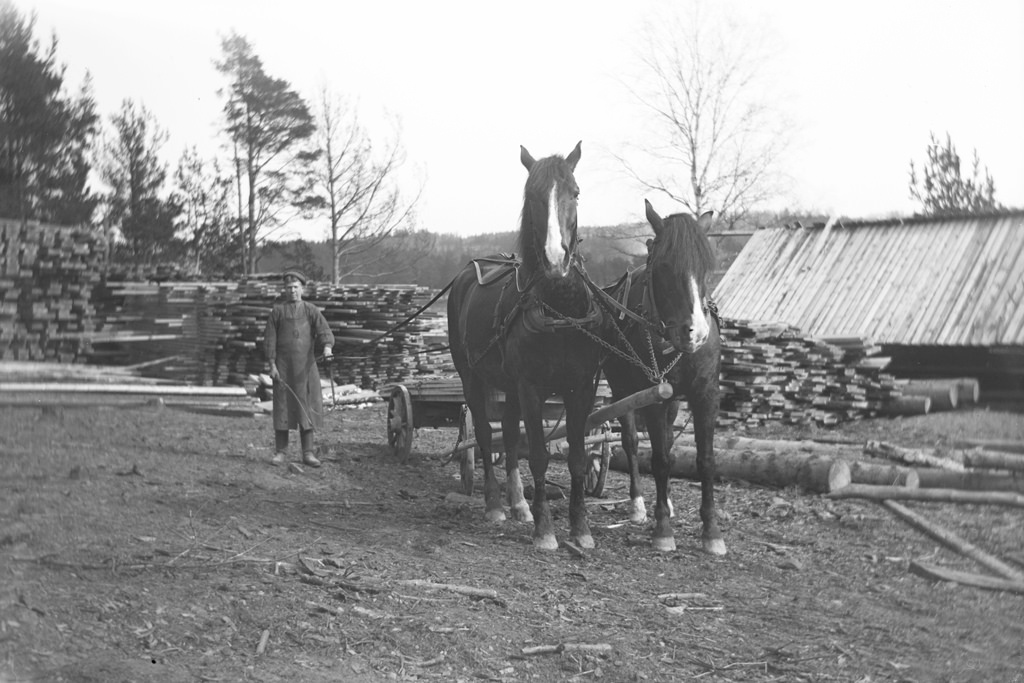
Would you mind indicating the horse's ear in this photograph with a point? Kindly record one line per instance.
(526, 158)
(704, 222)
(653, 218)
(574, 156)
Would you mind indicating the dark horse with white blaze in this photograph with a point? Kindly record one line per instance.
(672, 328)
(513, 335)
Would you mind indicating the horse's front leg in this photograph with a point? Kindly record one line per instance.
(577, 407)
(513, 480)
(630, 442)
(705, 413)
(532, 403)
(662, 538)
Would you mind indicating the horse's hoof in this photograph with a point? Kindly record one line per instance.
(585, 542)
(495, 516)
(545, 542)
(638, 513)
(664, 544)
(714, 546)
(522, 512)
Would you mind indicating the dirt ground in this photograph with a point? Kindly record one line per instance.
(146, 545)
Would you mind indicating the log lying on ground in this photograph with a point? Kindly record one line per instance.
(969, 480)
(937, 573)
(907, 405)
(1005, 445)
(742, 443)
(994, 460)
(730, 464)
(874, 474)
(815, 473)
(953, 542)
(944, 394)
(968, 390)
(934, 495)
(911, 456)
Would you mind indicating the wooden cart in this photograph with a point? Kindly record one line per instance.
(439, 402)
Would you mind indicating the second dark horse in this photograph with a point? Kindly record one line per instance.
(674, 331)
(519, 335)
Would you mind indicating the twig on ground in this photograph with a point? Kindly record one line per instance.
(264, 639)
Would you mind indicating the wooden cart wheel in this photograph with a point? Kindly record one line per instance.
(400, 424)
(598, 469)
(468, 462)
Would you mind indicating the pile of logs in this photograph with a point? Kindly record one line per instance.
(819, 467)
(47, 276)
(978, 473)
(922, 396)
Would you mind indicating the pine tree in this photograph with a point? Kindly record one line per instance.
(268, 124)
(131, 168)
(943, 190)
(45, 136)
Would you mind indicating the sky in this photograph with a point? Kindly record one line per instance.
(861, 85)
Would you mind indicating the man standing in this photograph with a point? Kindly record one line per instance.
(294, 330)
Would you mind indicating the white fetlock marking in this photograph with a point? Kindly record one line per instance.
(521, 512)
(514, 489)
(664, 544)
(585, 542)
(671, 509)
(547, 542)
(495, 516)
(715, 546)
(639, 510)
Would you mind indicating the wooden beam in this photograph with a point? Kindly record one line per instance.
(870, 492)
(953, 542)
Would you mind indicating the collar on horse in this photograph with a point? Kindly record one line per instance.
(538, 316)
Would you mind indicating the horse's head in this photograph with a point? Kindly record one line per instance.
(679, 261)
(547, 237)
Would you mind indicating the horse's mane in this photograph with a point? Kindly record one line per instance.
(533, 221)
(684, 245)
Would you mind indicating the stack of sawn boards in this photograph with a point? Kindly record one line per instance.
(772, 372)
(47, 276)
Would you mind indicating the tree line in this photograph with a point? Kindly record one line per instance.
(285, 159)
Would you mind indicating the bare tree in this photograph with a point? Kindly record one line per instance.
(355, 185)
(714, 139)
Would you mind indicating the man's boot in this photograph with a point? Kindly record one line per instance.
(308, 458)
(280, 446)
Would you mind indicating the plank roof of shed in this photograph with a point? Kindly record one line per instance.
(923, 281)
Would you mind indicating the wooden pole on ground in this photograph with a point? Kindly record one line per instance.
(932, 495)
(953, 542)
(937, 573)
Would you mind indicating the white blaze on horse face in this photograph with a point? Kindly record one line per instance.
(699, 330)
(554, 246)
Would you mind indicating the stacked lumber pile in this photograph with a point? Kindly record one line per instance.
(47, 275)
(773, 372)
(358, 315)
(181, 324)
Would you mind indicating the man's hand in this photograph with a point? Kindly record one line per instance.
(274, 374)
(328, 353)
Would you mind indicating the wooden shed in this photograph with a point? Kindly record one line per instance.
(943, 296)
